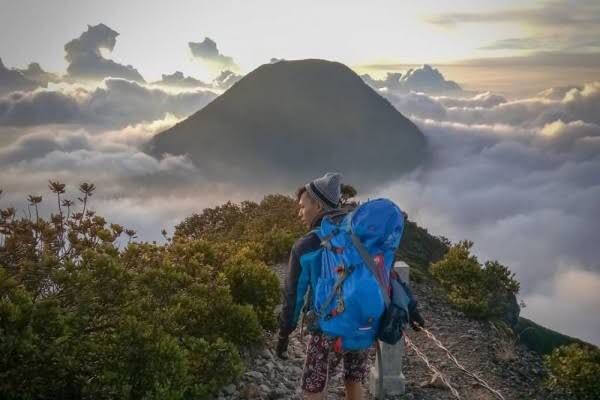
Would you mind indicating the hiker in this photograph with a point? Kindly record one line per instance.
(317, 199)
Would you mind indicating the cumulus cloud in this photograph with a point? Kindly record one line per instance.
(117, 102)
(423, 79)
(485, 99)
(524, 185)
(177, 79)
(391, 81)
(112, 159)
(576, 104)
(416, 104)
(226, 79)
(35, 73)
(565, 104)
(14, 79)
(86, 61)
(208, 52)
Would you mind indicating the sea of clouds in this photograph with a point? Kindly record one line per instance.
(520, 178)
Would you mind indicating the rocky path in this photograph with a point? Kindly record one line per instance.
(480, 347)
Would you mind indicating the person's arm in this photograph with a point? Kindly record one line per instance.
(286, 318)
(416, 320)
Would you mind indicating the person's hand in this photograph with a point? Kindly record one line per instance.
(282, 345)
(416, 320)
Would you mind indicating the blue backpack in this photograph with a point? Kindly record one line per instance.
(355, 292)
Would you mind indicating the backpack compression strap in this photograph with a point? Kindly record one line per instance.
(336, 285)
(372, 267)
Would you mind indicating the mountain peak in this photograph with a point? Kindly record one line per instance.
(292, 120)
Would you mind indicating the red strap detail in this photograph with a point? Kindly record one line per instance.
(337, 345)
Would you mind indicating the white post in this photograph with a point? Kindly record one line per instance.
(391, 357)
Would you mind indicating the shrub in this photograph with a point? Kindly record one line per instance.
(270, 227)
(82, 318)
(254, 283)
(139, 361)
(211, 365)
(575, 368)
(479, 291)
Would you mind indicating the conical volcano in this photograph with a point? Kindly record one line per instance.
(291, 121)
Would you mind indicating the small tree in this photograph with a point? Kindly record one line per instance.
(479, 291)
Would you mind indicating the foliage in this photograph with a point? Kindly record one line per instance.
(85, 315)
(418, 248)
(253, 283)
(270, 226)
(575, 368)
(479, 291)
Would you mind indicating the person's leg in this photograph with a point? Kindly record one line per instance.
(355, 373)
(314, 376)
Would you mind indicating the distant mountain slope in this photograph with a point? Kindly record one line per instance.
(293, 120)
(541, 339)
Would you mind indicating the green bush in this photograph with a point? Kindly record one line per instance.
(139, 361)
(479, 291)
(254, 283)
(211, 363)
(82, 318)
(270, 227)
(575, 369)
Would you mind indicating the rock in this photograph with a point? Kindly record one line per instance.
(250, 391)
(229, 389)
(434, 382)
(255, 375)
(266, 353)
(264, 389)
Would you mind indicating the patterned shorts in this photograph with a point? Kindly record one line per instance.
(314, 376)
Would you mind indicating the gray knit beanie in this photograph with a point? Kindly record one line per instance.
(326, 189)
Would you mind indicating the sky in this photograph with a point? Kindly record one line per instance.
(510, 107)
(356, 33)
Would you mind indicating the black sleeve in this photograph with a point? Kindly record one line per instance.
(286, 319)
